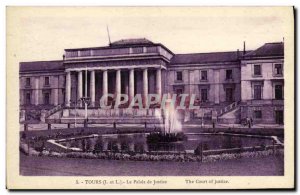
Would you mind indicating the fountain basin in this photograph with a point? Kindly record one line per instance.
(138, 143)
(159, 137)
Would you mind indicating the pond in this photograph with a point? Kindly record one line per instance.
(137, 142)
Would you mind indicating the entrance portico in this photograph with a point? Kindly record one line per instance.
(117, 81)
(135, 68)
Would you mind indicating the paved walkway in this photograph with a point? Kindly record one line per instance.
(43, 126)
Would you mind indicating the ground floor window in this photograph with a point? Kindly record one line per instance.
(257, 92)
(279, 116)
(28, 98)
(257, 114)
(229, 94)
(46, 98)
(204, 95)
(278, 92)
(178, 90)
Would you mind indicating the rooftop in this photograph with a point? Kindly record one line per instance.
(123, 43)
(138, 41)
(268, 49)
(202, 58)
(41, 66)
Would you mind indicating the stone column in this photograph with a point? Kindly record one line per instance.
(105, 85)
(36, 89)
(68, 88)
(126, 90)
(268, 91)
(217, 86)
(54, 93)
(158, 82)
(118, 84)
(55, 96)
(79, 87)
(131, 84)
(145, 85)
(22, 97)
(92, 87)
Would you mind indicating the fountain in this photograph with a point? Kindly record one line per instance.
(172, 128)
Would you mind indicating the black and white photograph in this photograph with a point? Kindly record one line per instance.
(197, 94)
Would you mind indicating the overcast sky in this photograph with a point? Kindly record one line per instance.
(44, 33)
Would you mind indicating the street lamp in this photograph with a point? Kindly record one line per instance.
(76, 102)
(86, 101)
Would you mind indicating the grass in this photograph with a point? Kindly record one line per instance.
(50, 166)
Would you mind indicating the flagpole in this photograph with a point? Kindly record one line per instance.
(85, 103)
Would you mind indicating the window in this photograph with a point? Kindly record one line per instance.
(179, 76)
(203, 95)
(47, 81)
(229, 94)
(278, 92)
(28, 98)
(257, 114)
(204, 75)
(46, 98)
(28, 82)
(257, 92)
(179, 91)
(257, 70)
(278, 69)
(228, 74)
(279, 116)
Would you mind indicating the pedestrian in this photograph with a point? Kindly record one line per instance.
(248, 122)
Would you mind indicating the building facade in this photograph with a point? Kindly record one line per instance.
(262, 82)
(228, 86)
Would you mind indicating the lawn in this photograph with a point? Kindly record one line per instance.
(50, 166)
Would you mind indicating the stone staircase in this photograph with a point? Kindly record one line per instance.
(54, 110)
(230, 114)
(226, 114)
(46, 116)
(228, 108)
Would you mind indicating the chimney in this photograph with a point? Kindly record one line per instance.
(244, 51)
(64, 57)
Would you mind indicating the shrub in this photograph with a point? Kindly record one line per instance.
(24, 148)
(56, 154)
(45, 153)
(181, 157)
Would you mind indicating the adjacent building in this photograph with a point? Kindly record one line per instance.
(262, 82)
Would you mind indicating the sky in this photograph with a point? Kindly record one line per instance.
(43, 33)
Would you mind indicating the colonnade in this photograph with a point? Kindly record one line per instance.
(105, 84)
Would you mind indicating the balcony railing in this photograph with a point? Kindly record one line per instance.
(53, 110)
(110, 52)
(227, 108)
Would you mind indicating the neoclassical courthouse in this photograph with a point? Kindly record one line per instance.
(229, 86)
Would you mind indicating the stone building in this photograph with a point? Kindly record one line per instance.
(223, 83)
(262, 82)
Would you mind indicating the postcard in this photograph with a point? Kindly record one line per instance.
(155, 98)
